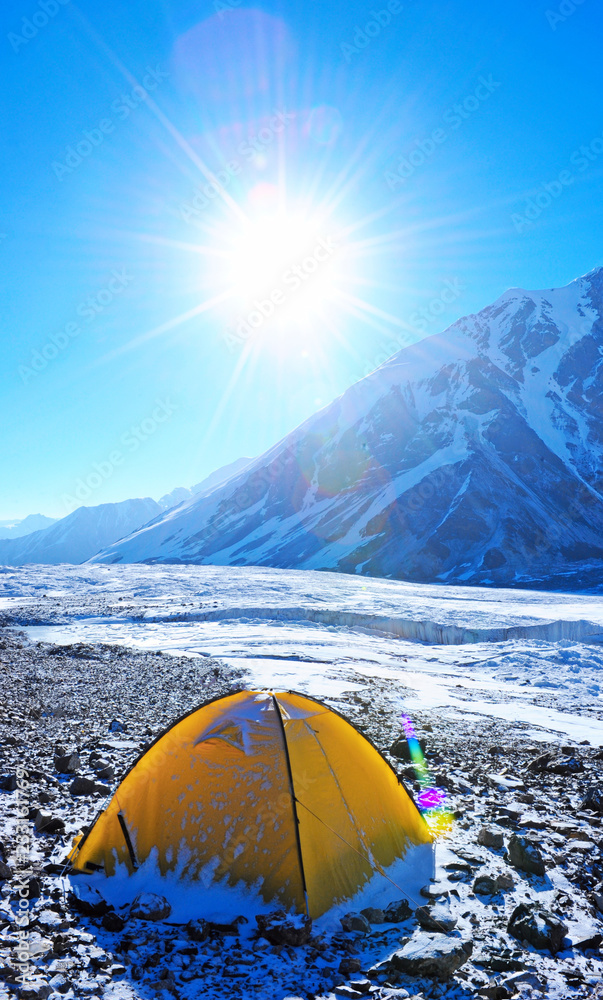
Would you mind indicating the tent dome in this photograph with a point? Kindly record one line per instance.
(272, 791)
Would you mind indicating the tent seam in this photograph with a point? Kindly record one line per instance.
(294, 801)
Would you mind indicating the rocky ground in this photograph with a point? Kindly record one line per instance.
(516, 909)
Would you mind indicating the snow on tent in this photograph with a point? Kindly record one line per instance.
(271, 795)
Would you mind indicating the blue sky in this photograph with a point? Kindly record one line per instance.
(170, 167)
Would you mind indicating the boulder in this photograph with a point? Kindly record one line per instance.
(435, 956)
(355, 922)
(150, 906)
(279, 927)
(524, 854)
(373, 914)
(112, 921)
(436, 918)
(197, 930)
(44, 822)
(91, 904)
(348, 966)
(505, 880)
(67, 763)
(489, 837)
(397, 912)
(106, 773)
(531, 922)
(540, 764)
(565, 765)
(401, 750)
(82, 786)
(486, 885)
(593, 799)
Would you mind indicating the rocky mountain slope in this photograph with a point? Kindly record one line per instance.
(474, 456)
(80, 535)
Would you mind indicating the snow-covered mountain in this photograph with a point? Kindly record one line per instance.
(473, 456)
(33, 522)
(221, 475)
(80, 535)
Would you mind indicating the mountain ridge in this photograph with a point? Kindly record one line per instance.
(472, 456)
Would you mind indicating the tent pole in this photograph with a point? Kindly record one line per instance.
(293, 803)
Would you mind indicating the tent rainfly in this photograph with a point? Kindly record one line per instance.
(274, 791)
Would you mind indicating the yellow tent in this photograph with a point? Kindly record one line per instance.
(273, 790)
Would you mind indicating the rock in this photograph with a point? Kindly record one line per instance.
(8, 782)
(489, 837)
(433, 955)
(494, 992)
(505, 880)
(565, 765)
(282, 928)
(355, 922)
(593, 941)
(533, 923)
(526, 797)
(45, 823)
(90, 905)
(5, 871)
(82, 786)
(348, 991)
(35, 991)
(348, 966)
(524, 854)
(106, 773)
(197, 930)
(527, 978)
(397, 912)
(150, 906)
(505, 781)
(593, 799)
(486, 885)
(67, 763)
(401, 750)
(436, 918)
(115, 726)
(374, 915)
(113, 922)
(540, 763)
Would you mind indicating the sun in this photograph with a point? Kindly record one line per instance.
(280, 268)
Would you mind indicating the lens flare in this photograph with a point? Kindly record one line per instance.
(431, 800)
